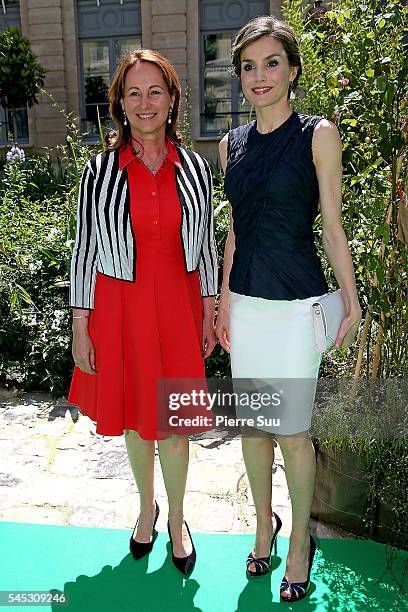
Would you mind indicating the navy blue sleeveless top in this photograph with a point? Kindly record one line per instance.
(271, 183)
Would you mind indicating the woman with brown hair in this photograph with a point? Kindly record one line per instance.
(143, 281)
(278, 169)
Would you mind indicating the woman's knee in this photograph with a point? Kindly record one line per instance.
(133, 436)
(297, 443)
(130, 433)
(175, 443)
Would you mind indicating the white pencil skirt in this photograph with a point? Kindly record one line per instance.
(274, 363)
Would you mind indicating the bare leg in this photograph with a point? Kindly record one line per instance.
(174, 457)
(141, 458)
(258, 456)
(300, 467)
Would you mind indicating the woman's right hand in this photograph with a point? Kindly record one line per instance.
(222, 326)
(83, 350)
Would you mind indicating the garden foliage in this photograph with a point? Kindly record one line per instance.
(355, 74)
(21, 76)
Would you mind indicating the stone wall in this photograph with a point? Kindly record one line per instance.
(170, 26)
(42, 23)
(169, 32)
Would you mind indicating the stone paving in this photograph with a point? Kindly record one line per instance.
(56, 470)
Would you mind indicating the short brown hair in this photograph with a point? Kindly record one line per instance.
(267, 25)
(120, 137)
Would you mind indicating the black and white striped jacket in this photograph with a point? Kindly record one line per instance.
(104, 238)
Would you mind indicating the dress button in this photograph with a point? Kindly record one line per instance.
(154, 193)
(155, 222)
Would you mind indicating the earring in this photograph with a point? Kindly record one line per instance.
(170, 115)
(125, 122)
(292, 94)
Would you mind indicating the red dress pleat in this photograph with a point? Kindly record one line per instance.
(146, 330)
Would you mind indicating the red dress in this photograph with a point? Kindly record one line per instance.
(149, 329)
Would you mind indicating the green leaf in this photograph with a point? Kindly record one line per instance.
(377, 162)
(383, 129)
(389, 94)
(101, 136)
(381, 84)
(23, 293)
(332, 81)
(3, 250)
(380, 272)
(13, 301)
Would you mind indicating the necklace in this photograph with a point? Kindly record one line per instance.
(154, 168)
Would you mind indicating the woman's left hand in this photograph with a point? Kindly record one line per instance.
(348, 328)
(209, 337)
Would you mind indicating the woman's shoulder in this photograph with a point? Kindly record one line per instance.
(240, 131)
(99, 160)
(314, 121)
(237, 138)
(189, 156)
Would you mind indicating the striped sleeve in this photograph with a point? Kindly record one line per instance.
(208, 262)
(83, 262)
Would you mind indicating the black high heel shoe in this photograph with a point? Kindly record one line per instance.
(263, 564)
(185, 565)
(298, 590)
(140, 549)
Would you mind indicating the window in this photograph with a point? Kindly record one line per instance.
(222, 103)
(6, 125)
(10, 16)
(100, 59)
(106, 33)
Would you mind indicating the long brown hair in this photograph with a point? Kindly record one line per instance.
(267, 25)
(120, 137)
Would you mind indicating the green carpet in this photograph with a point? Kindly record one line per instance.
(95, 569)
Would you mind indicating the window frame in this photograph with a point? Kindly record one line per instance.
(218, 24)
(234, 85)
(4, 115)
(94, 137)
(235, 112)
(12, 17)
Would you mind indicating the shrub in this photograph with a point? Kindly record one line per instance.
(37, 226)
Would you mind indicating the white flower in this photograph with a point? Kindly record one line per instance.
(30, 319)
(58, 320)
(52, 234)
(15, 154)
(35, 265)
(13, 372)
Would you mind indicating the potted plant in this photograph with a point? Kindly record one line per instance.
(362, 459)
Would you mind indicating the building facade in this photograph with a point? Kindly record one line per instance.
(79, 43)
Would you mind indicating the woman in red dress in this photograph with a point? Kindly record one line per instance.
(143, 281)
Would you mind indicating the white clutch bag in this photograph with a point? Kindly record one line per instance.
(327, 315)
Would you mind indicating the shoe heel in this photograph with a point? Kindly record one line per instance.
(263, 564)
(141, 549)
(184, 564)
